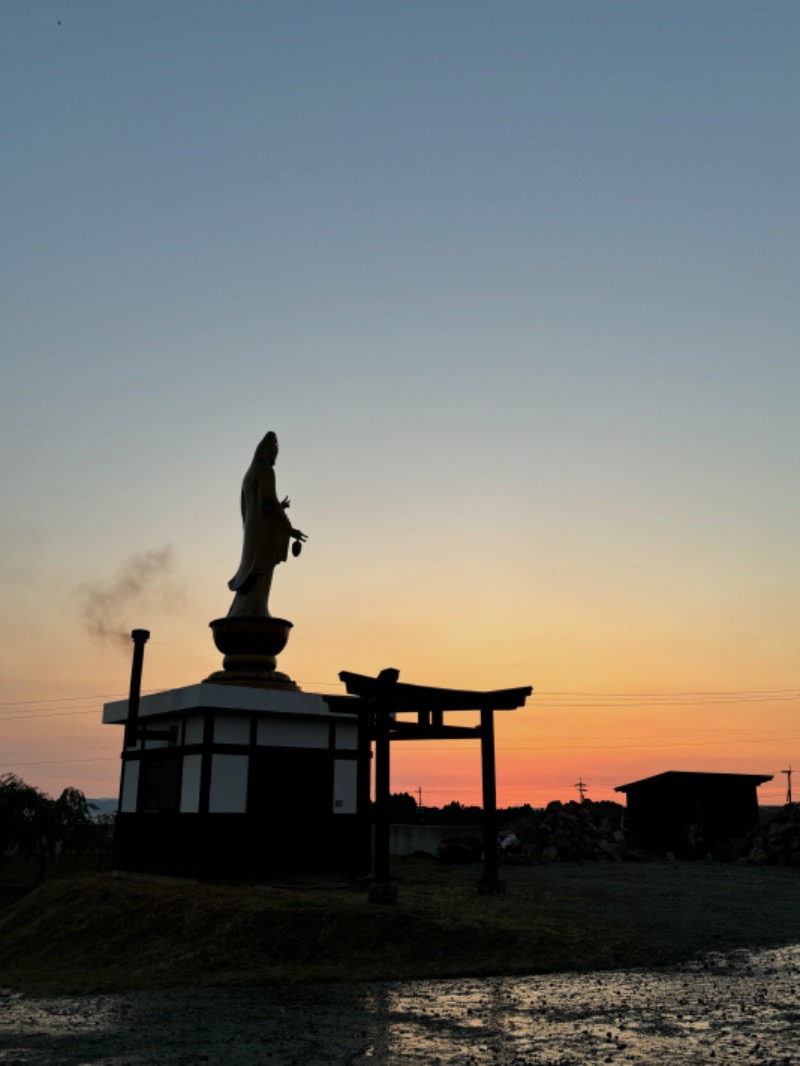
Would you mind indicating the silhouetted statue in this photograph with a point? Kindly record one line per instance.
(267, 532)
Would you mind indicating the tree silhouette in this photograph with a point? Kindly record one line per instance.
(36, 827)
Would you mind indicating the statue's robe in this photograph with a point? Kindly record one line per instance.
(267, 529)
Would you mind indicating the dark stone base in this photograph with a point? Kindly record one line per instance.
(250, 647)
(263, 845)
(358, 884)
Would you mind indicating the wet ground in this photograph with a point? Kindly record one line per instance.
(738, 1008)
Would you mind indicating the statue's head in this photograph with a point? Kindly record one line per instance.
(267, 451)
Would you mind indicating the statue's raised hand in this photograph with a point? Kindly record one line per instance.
(286, 503)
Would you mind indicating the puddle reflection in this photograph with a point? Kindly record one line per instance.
(723, 1010)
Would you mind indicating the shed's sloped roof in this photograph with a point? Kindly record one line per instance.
(687, 777)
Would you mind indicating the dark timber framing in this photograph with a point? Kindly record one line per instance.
(381, 700)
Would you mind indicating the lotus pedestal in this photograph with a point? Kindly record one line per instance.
(250, 647)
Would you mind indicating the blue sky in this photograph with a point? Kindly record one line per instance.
(515, 283)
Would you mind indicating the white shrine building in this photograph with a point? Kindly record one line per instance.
(229, 781)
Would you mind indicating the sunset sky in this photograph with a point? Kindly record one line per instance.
(515, 283)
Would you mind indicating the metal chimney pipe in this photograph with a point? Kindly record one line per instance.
(139, 637)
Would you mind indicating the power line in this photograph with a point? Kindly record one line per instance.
(47, 714)
(758, 695)
(673, 702)
(690, 692)
(727, 733)
(618, 747)
(669, 744)
(67, 699)
(51, 762)
(99, 696)
(779, 733)
(25, 751)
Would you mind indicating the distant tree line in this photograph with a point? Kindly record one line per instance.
(37, 828)
(404, 810)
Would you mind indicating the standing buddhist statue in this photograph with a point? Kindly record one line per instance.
(250, 638)
(267, 533)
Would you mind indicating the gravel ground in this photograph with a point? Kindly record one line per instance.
(678, 908)
(725, 1009)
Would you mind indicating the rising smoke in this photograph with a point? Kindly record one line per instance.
(111, 607)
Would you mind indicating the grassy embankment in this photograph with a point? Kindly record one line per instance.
(96, 933)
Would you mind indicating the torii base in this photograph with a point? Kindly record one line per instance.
(490, 886)
(382, 893)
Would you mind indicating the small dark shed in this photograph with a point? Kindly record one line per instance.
(689, 813)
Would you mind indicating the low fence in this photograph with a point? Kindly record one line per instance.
(406, 839)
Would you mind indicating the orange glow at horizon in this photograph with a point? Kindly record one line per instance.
(612, 702)
(605, 737)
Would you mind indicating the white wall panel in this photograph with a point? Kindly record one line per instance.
(228, 784)
(190, 784)
(194, 729)
(346, 735)
(231, 729)
(292, 733)
(161, 724)
(130, 787)
(345, 795)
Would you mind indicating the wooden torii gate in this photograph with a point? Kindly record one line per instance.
(381, 700)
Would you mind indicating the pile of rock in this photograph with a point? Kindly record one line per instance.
(574, 832)
(774, 841)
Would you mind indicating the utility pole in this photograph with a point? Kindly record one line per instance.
(788, 784)
(582, 788)
(419, 799)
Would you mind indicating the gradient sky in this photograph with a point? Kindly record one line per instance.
(515, 284)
